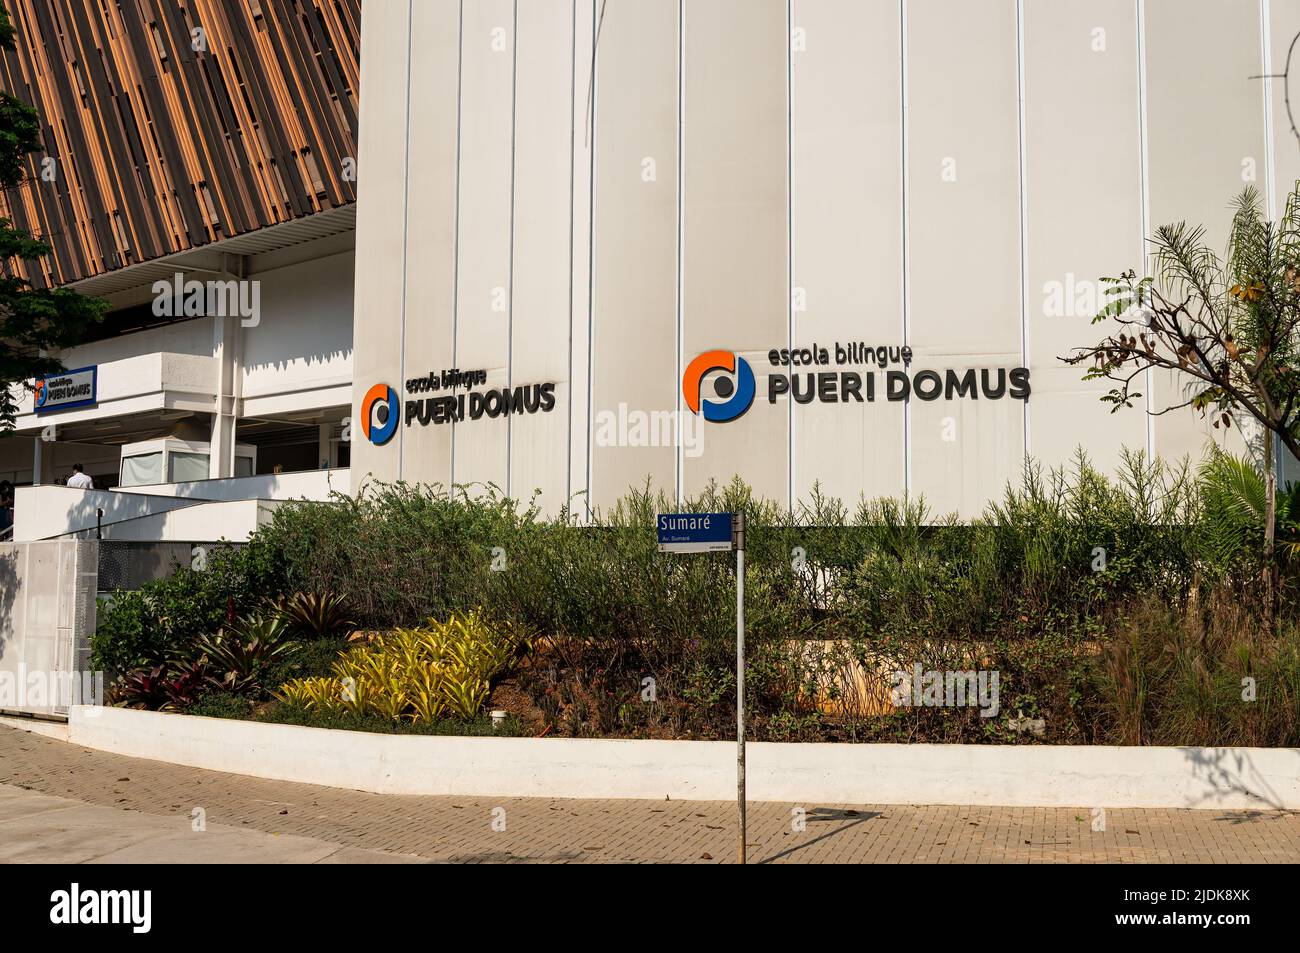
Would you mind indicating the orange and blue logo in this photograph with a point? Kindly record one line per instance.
(379, 414)
(736, 391)
(42, 393)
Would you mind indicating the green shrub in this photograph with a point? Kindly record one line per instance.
(306, 660)
(139, 629)
(315, 615)
(1179, 676)
(221, 704)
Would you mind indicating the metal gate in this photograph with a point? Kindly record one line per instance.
(47, 616)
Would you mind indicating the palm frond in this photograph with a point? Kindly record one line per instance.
(1234, 500)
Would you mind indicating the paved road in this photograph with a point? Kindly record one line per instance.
(63, 803)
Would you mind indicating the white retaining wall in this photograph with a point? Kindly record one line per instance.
(1045, 776)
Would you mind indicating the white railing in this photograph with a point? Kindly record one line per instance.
(308, 485)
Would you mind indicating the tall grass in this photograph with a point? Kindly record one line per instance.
(1207, 673)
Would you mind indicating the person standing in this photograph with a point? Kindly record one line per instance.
(79, 480)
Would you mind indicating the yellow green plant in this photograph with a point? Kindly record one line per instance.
(316, 694)
(417, 674)
(426, 695)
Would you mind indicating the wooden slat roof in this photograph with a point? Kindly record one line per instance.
(171, 124)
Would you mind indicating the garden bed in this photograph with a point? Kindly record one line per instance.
(1125, 610)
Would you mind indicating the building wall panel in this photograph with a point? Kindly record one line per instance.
(378, 305)
(634, 323)
(1207, 142)
(950, 175)
(964, 270)
(540, 325)
(430, 223)
(1083, 214)
(735, 231)
(847, 232)
(485, 228)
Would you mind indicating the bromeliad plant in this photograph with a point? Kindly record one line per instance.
(240, 655)
(235, 659)
(443, 668)
(160, 689)
(315, 615)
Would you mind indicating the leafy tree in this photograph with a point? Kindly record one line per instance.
(33, 321)
(1229, 328)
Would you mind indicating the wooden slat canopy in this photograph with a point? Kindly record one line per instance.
(170, 124)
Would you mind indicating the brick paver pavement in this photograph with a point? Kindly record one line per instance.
(460, 829)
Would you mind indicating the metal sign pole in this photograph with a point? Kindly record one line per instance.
(715, 533)
(739, 529)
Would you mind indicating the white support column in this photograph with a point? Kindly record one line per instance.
(227, 347)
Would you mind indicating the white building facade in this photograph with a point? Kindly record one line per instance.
(575, 215)
(600, 243)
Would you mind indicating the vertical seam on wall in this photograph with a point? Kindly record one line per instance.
(1024, 212)
(1266, 67)
(510, 268)
(789, 242)
(573, 165)
(591, 261)
(680, 468)
(1149, 380)
(406, 220)
(907, 237)
(455, 281)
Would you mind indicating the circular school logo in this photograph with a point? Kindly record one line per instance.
(42, 393)
(735, 389)
(379, 414)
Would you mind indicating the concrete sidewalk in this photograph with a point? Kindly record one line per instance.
(62, 803)
(37, 828)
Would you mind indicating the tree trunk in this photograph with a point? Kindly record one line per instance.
(1270, 518)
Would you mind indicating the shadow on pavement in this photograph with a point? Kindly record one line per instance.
(824, 815)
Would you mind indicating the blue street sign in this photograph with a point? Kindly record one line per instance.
(695, 532)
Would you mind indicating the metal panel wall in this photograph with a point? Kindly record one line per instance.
(485, 227)
(430, 220)
(964, 268)
(635, 316)
(846, 198)
(1206, 134)
(1083, 214)
(381, 254)
(735, 226)
(950, 174)
(539, 344)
